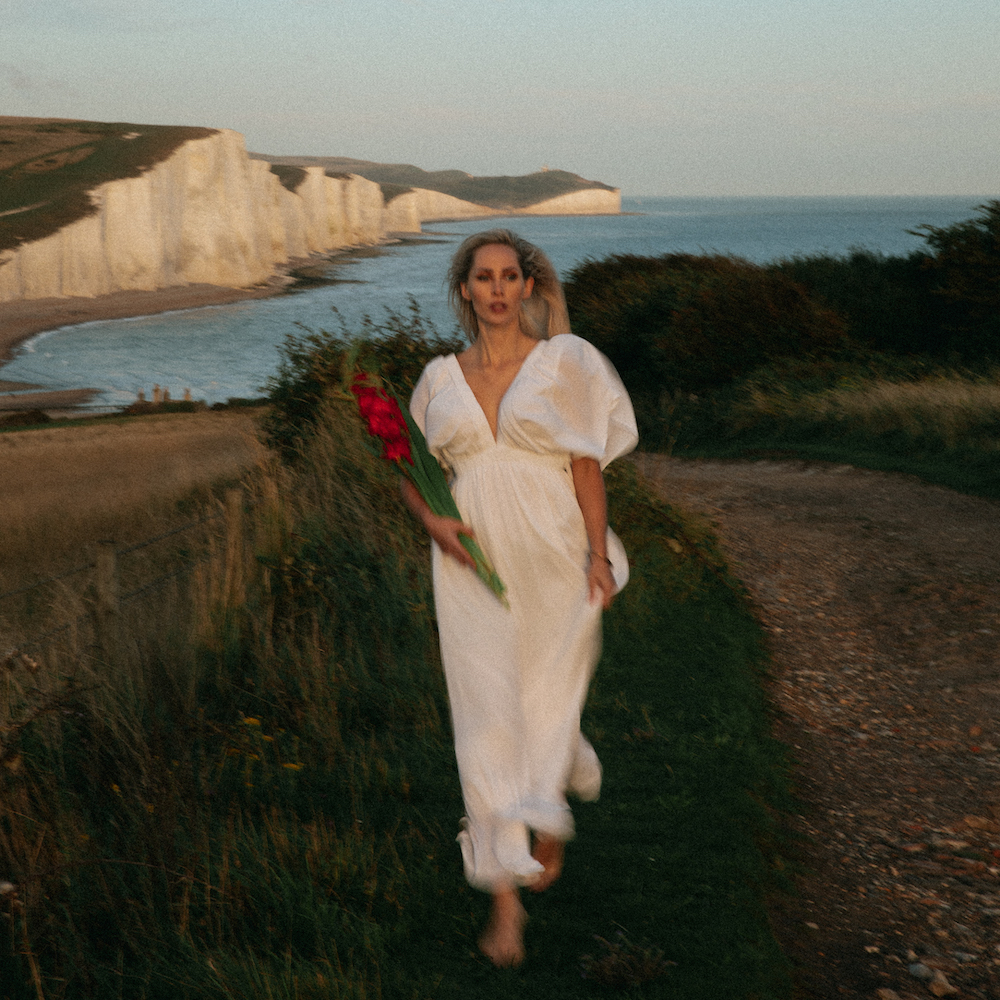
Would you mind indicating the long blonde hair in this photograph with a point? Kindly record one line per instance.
(542, 315)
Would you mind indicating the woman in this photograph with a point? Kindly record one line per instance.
(525, 419)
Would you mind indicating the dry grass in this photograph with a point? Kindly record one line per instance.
(24, 139)
(951, 407)
(66, 488)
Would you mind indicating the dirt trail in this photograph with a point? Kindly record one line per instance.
(881, 597)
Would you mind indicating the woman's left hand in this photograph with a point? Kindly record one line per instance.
(600, 581)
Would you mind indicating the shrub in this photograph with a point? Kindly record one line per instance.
(313, 364)
(965, 276)
(24, 418)
(886, 302)
(686, 323)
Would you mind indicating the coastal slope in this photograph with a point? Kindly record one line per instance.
(94, 209)
(448, 194)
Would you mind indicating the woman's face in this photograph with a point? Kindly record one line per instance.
(495, 286)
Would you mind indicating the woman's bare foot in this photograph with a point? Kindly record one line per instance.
(549, 853)
(503, 940)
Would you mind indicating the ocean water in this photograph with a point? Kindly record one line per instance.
(231, 350)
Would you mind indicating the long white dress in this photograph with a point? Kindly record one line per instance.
(517, 679)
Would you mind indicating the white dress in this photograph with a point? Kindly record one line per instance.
(517, 679)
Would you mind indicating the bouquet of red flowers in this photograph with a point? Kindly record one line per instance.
(403, 443)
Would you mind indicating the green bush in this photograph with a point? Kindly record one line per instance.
(313, 366)
(692, 324)
(965, 275)
(943, 301)
(886, 302)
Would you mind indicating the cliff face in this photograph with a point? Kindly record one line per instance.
(206, 214)
(420, 205)
(210, 214)
(592, 202)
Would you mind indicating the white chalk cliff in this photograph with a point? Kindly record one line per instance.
(209, 213)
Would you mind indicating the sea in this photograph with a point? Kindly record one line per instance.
(226, 351)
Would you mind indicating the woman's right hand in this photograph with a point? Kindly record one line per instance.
(448, 532)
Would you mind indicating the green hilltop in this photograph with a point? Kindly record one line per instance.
(500, 193)
(48, 166)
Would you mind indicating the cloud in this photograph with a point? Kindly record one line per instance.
(26, 84)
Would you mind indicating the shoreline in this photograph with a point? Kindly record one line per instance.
(25, 318)
(22, 319)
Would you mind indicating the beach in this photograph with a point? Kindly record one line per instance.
(23, 319)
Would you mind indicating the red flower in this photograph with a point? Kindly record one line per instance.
(384, 419)
(393, 451)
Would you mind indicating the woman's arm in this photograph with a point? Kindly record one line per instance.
(444, 530)
(590, 495)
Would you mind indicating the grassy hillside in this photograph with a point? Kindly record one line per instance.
(230, 772)
(48, 166)
(500, 193)
(232, 775)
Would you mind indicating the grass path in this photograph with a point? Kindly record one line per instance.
(672, 863)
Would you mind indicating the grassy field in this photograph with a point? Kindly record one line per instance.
(68, 489)
(243, 784)
(72, 485)
(946, 407)
(940, 424)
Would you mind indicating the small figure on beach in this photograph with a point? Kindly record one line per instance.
(525, 420)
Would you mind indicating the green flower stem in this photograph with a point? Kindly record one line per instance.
(428, 477)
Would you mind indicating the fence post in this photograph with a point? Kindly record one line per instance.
(106, 599)
(106, 578)
(235, 589)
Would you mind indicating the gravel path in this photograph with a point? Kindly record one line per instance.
(881, 597)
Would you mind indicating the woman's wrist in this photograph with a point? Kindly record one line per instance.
(599, 557)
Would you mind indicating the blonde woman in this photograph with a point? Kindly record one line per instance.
(525, 420)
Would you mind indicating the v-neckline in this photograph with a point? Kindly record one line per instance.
(475, 398)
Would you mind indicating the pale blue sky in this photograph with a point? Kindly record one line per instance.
(686, 97)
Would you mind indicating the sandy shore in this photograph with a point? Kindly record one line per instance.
(23, 319)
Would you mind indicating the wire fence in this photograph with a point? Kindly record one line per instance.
(105, 578)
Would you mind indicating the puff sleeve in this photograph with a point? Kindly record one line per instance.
(578, 402)
(422, 393)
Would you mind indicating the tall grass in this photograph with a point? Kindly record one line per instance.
(946, 408)
(72, 496)
(246, 785)
(895, 415)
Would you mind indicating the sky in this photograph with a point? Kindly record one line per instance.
(657, 97)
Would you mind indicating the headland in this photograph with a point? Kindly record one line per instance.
(107, 220)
